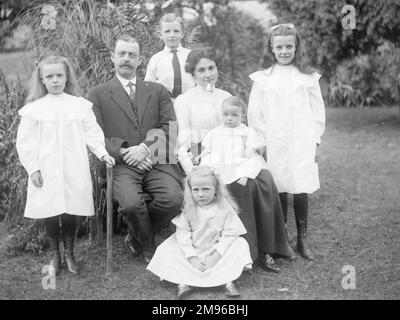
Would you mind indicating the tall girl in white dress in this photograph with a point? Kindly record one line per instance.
(287, 111)
(206, 250)
(56, 127)
(199, 110)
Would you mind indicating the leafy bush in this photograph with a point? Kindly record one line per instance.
(12, 175)
(24, 234)
(30, 236)
(367, 80)
(84, 33)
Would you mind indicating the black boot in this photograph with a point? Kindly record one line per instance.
(132, 242)
(291, 255)
(55, 257)
(72, 266)
(302, 242)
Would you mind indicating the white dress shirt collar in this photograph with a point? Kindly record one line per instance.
(125, 82)
(167, 49)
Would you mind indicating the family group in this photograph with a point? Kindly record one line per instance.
(223, 184)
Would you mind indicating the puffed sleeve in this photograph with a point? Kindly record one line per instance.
(255, 116)
(184, 235)
(93, 134)
(318, 107)
(232, 229)
(27, 143)
(184, 134)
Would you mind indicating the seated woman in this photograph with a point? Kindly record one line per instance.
(198, 111)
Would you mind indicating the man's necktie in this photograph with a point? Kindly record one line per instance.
(131, 91)
(177, 90)
(132, 97)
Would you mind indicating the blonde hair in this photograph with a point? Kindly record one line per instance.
(222, 196)
(170, 17)
(235, 101)
(38, 89)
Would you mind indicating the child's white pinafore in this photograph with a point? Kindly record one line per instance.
(211, 228)
(52, 137)
(287, 111)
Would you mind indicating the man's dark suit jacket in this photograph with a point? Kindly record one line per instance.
(113, 110)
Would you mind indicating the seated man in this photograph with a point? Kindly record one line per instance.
(139, 124)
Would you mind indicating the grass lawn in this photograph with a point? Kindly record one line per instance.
(354, 220)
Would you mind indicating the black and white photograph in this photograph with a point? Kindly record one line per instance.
(222, 152)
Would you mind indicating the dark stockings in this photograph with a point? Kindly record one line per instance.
(300, 205)
(68, 226)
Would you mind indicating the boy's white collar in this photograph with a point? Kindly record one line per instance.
(166, 48)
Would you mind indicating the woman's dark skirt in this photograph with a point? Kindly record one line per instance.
(261, 214)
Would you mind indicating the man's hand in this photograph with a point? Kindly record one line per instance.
(317, 153)
(36, 178)
(145, 165)
(212, 259)
(108, 159)
(196, 263)
(134, 155)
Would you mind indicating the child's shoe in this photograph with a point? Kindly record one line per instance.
(183, 290)
(231, 290)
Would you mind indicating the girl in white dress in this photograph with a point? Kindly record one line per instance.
(56, 126)
(287, 111)
(206, 250)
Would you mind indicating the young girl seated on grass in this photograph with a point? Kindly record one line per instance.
(206, 250)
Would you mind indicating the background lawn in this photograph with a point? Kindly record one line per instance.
(354, 220)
